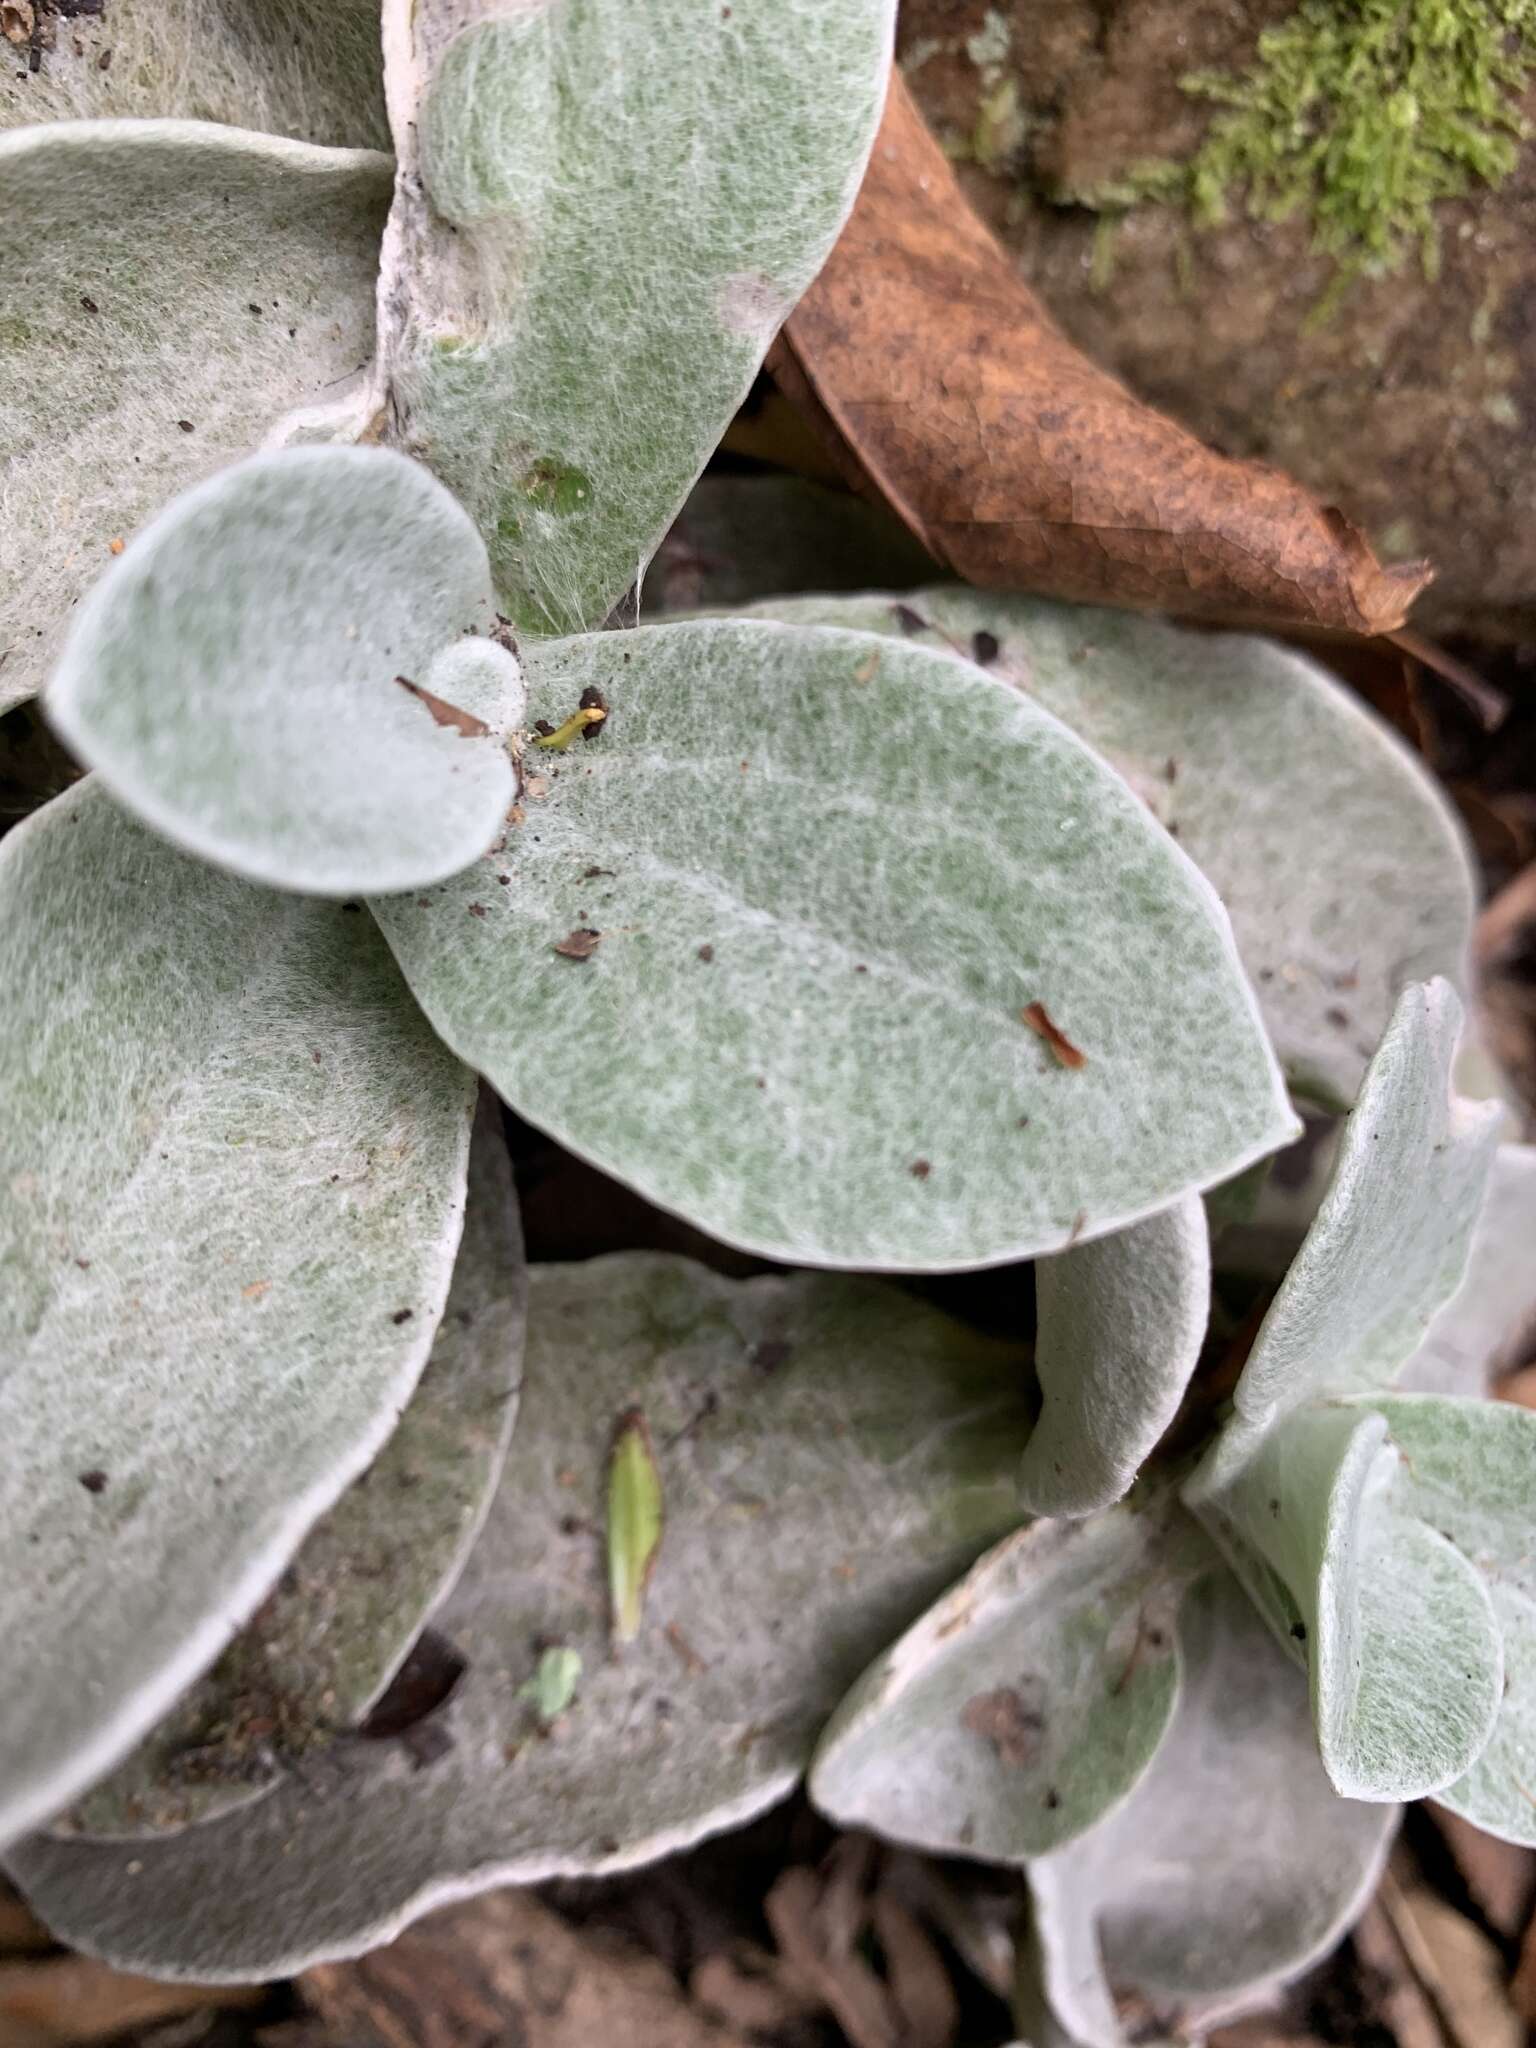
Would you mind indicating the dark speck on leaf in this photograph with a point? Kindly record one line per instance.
(985, 648)
(592, 699)
(1299, 1631)
(1338, 1018)
(89, 303)
(477, 910)
(252, 307)
(920, 1169)
(185, 426)
(543, 728)
(580, 944)
(1052, 1799)
(94, 1481)
(591, 874)
(706, 954)
(861, 968)
(504, 880)
(402, 1315)
(355, 908)
(1274, 1507)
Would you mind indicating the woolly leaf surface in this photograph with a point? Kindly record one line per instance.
(831, 1454)
(158, 273)
(232, 1176)
(238, 677)
(830, 873)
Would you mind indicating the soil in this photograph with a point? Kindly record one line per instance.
(1411, 406)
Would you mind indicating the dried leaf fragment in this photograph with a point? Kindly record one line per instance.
(579, 944)
(634, 1523)
(1019, 463)
(447, 714)
(1038, 1018)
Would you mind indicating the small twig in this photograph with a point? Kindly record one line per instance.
(1489, 706)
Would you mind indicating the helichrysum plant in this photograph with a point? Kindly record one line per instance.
(352, 1564)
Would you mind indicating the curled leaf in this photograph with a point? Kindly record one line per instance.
(1121, 1322)
(1230, 1867)
(234, 676)
(1018, 463)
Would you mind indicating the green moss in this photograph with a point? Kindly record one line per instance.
(1358, 116)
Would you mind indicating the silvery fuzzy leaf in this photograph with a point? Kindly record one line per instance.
(1389, 1244)
(1469, 1473)
(1231, 1866)
(829, 874)
(311, 69)
(231, 1183)
(173, 290)
(336, 1628)
(605, 212)
(1480, 1329)
(1275, 779)
(1030, 1700)
(1120, 1326)
(246, 678)
(1394, 1624)
(831, 1454)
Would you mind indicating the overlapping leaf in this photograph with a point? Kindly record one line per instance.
(1231, 1866)
(830, 1454)
(232, 1178)
(606, 212)
(311, 69)
(1303, 1489)
(246, 678)
(1275, 781)
(173, 289)
(1120, 1326)
(827, 875)
(1030, 1700)
(337, 1626)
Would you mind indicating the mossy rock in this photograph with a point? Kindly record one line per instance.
(1408, 401)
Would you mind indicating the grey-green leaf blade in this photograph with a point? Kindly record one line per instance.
(1190, 719)
(832, 1454)
(310, 69)
(159, 272)
(233, 1175)
(1154, 1900)
(605, 214)
(830, 873)
(331, 1634)
(1026, 1702)
(1120, 1326)
(238, 677)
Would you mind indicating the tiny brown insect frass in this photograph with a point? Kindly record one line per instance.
(1038, 1018)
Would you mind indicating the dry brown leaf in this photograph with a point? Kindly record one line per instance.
(71, 1999)
(444, 713)
(1018, 462)
(499, 1969)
